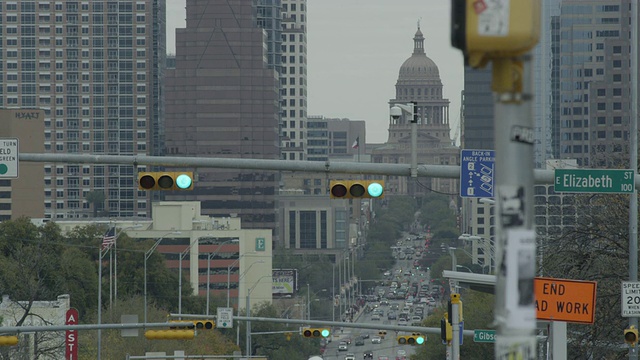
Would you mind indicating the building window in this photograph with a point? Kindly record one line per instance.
(308, 229)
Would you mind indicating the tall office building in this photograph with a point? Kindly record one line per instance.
(95, 68)
(293, 80)
(222, 101)
(594, 75)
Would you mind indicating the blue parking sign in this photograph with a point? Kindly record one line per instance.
(477, 171)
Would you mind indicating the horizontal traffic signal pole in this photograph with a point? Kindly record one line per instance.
(327, 324)
(439, 171)
(24, 329)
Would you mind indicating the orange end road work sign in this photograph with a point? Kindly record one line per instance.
(565, 300)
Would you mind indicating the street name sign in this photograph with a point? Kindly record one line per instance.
(484, 336)
(619, 181)
(630, 299)
(565, 300)
(477, 169)
(8, 158)
(224, 318)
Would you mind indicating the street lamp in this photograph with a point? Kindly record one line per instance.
(209, 256)
(147, 255)
(464, 267)
(248, 306)
(182, 255)
(229, 271)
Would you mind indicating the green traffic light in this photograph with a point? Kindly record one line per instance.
(183, 181)
(419, 340)
(375, 189)
(325, 332)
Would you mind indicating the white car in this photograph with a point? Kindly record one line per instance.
(350, 356)
(343, 346)
(376, 340)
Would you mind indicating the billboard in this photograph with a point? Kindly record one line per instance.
(284, 281)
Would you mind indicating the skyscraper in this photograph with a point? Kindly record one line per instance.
(222, 101)
(95, 67)
(594, 71)
(293, 80)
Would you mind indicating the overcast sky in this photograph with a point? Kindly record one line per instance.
(355, 49)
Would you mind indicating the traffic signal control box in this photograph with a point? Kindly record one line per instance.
(165, 180)
(316, 332)
(486, 30)
(631, 336)
(356, 189)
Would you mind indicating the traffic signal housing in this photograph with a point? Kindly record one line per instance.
(7, 340)
(413, 339)
(171, 334)
(356, 189)
(382, 333)
(486, 30)
(197, 324)
(165, 180)
(316, 332)
(446, 332)
(631, 336)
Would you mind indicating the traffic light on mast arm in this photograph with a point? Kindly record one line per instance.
(8, 340)
(631, 336)
(197, 324)
(315, 332)
(165, 180)
(356, 189)
(413, 339)
(484, 31)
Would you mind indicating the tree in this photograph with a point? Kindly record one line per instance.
(114, 346)
(596, 249)
(477, 313)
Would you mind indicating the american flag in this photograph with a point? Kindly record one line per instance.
(109, 238)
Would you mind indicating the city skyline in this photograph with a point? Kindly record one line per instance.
(346, 47)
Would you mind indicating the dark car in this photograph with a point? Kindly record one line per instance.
(368, 355)
(364, 336)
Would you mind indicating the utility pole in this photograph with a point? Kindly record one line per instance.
(633, 199)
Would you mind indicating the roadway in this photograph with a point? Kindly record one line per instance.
(388, 345)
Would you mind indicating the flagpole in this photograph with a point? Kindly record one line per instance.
(115, 268)
(110, 284)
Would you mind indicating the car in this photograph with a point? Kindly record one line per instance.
(402, 322)
(376, 340)
(383, 358)
(364, 336)
(367, 355)
(375, 317)
(360, 342)
(350, 356)
(343, 346)
(401, 355)
(391, 315)
(347, 340)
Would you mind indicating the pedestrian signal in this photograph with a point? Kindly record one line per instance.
(356, 189)
(165, 180)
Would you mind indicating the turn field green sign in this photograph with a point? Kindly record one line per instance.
(594, 181)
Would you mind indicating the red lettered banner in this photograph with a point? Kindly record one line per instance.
(71, 338)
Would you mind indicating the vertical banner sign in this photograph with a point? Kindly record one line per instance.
(71, 336)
